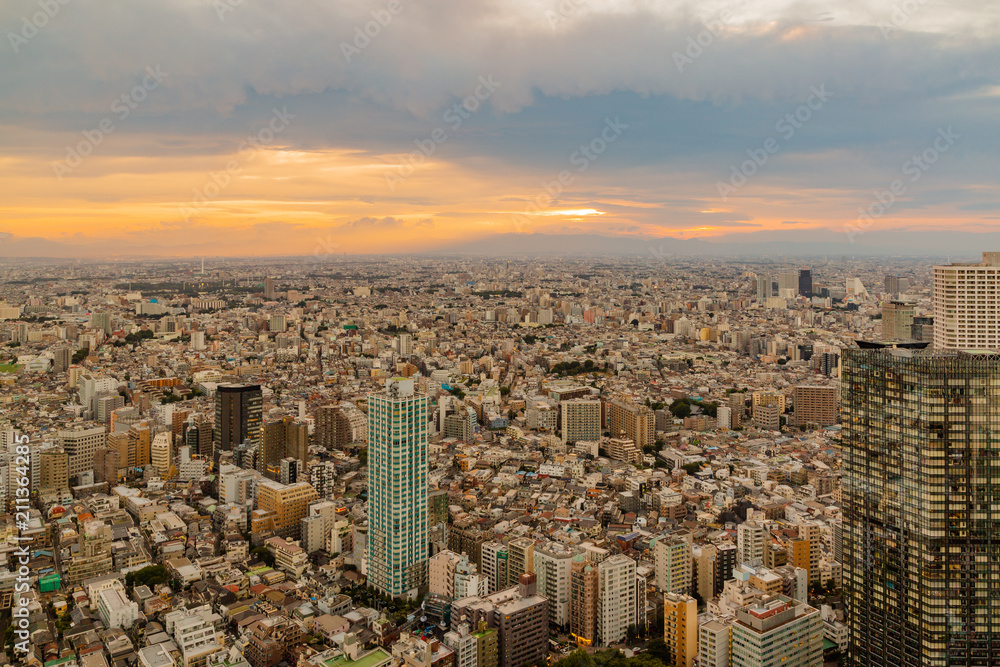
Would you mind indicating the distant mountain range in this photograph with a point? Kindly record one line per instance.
(798, 243)
(943, 245)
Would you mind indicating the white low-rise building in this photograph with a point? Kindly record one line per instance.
(115, 609)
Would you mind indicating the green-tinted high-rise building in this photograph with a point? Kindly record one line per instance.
(397, 489)
(921, 532)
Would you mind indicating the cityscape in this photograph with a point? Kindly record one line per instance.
(499, 333)
(469, 462)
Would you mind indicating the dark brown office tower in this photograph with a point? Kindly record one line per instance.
(464, 537)
(283, 438)
(815, 404)
(177, 421)
(524, 626)
(726, 560)
(63, 358)
(805, 283)
(333, 429)
(519, 613)
(198, 436)
(239, 409)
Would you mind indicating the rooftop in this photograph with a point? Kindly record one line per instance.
(373, 658)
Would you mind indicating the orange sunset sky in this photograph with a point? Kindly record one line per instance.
(132, 131)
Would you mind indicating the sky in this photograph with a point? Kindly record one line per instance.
(320, 127)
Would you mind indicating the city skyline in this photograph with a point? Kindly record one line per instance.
(481, 462)
(502, 333)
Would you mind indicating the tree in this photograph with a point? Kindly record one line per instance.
(691, 468)
(151, 575)
(263, 555)
(680, 408)
(578, 658)
(657, 648)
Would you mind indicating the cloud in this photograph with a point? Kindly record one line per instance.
(385, 224)
(558, 82)
(88, 57)
(985, 206)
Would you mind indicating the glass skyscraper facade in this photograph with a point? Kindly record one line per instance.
(397, 489)
(239, 410)
(921, 532)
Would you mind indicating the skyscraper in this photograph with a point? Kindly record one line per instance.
(333, 429)
(815, 404)
(553, 564)
(198, 436)
(80, 443)
(788, 280)
(892, 285)
(805, 283)
(285, 437)
(764, 288)
(634, 422)
(680, 628)
(238, 412)
(616, 591)
(397, 488)
(63, 356)
(54, 465)
(921, 515)
(897, 320)
(967, 305)
(583, 600)
(283, 506)
(520, 559)
(581, 420)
